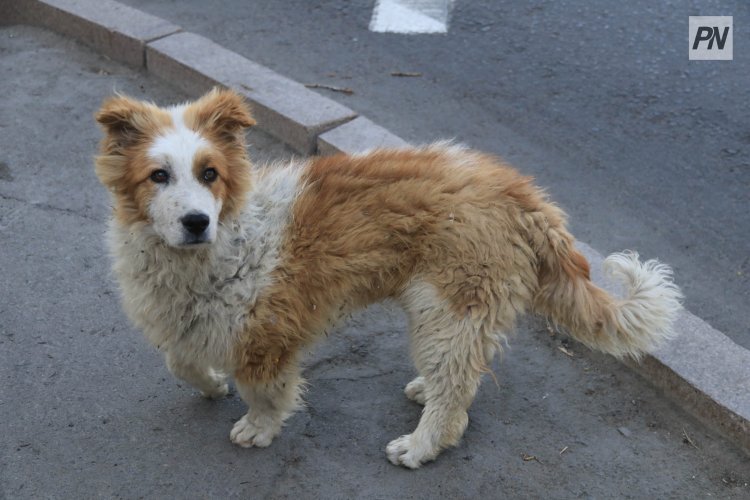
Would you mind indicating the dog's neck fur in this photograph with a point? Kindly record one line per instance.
(206, 292)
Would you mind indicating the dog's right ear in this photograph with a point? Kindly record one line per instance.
(127, 121)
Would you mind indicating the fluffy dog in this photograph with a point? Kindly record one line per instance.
(229, 269)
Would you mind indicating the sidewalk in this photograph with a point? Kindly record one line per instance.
(88, 409)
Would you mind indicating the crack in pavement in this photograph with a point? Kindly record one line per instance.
(51, 208)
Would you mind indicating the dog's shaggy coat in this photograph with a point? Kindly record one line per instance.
(235, 270)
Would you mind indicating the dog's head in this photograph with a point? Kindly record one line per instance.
(181, 169)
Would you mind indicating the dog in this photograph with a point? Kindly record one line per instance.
(235, 270)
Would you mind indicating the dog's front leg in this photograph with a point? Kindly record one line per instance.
(270, 403)
(211, 383)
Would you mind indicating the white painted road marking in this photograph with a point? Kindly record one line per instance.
(410, 16)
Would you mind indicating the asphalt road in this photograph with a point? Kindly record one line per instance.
(645, 149)
(88, 410)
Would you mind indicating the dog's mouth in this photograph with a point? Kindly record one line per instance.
(193, 241)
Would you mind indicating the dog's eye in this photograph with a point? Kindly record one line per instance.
(160, 176)
(210, 174)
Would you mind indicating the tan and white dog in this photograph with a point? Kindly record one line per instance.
(234, 270)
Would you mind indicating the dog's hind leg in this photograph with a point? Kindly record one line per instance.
(211, 383)
(270, 403)
(450, 355)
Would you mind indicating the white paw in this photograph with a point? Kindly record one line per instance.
(254, 431)
(217, 392)
(409, 452)
(414, 390)
(218, 387)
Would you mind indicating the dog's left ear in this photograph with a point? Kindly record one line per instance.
(223, 110)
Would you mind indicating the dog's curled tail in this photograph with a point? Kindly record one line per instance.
(631, 326)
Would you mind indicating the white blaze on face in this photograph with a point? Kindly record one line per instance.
(184, 194)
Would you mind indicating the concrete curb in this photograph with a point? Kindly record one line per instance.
(116, 30)
(284, 108)
(702, 370)
(356, 136)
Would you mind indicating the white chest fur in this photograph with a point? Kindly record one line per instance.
(197, 300)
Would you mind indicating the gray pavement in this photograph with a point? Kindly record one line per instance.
(88, 409)
(598, 100)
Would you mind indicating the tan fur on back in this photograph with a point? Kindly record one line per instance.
(365, 226)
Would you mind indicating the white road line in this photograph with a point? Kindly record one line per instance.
(410, 16)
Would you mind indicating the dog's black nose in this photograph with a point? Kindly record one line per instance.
(195, 223)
